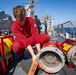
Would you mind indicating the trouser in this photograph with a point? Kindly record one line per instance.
(19, 48)
(46, 30)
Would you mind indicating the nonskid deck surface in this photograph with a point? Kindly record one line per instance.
(22, 68)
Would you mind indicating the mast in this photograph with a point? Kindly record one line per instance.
(30, 8)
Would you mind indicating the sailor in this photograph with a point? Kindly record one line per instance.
(38, 23)
(45, 24)
(26, 33)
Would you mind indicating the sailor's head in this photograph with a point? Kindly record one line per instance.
(44, 20)
(35, 15)
(19, 13)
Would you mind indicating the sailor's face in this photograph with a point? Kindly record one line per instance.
(21, 22)
(20, 16)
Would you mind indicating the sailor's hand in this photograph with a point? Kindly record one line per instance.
(34, 58)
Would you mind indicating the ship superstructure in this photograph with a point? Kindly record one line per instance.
(5, 22)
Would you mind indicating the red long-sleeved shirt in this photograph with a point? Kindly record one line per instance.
(22, 33)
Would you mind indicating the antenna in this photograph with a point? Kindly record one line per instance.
(30, 6)
(33, 0)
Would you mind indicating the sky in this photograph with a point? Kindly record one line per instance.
(59, 10)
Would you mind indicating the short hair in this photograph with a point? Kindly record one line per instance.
(19, 10)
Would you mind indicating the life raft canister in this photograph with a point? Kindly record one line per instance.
(7, 43)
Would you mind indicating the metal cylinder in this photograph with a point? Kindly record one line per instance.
(51, 59)
(71, 55)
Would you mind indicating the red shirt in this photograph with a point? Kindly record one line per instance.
(22, 33)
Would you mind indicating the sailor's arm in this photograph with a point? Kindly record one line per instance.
(38, 47)
(32, 53)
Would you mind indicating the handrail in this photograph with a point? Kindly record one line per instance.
(66, 27)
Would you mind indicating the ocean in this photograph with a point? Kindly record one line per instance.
(69, 30)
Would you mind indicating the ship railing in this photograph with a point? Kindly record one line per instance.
(66, 30)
